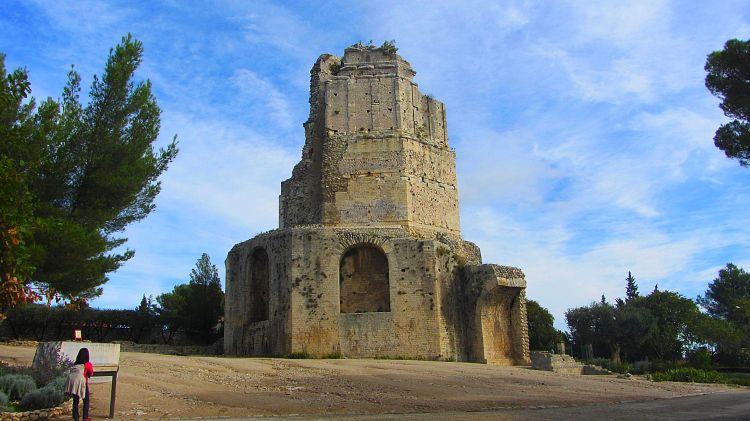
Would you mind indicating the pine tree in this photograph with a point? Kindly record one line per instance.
(728, 78)
(204, 272)
(198, 305)
(89, 171)
(631, 290)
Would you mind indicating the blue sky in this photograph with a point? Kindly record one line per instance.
(583, 130)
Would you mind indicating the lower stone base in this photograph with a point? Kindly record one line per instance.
(372, 292)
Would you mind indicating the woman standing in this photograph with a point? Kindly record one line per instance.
(78, 383)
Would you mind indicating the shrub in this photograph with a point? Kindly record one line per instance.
(49, 366)
(691, 375)
(742, 379)
(3, 400)
(17, 385)
(4, 368)
(58, 383)
(640, 367)
(700, 358)
(622, 367)
(298, 356)
(46, 397)
(334, 356)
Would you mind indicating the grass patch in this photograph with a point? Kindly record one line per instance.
(298, 356)
(689, 375)
(333, 356)
(742, 379)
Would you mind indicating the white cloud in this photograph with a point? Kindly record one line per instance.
(255, 88)
(227, 173)
(582, 131)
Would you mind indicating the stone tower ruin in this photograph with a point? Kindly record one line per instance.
(368, 259)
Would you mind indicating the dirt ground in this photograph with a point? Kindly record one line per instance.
(167, 386)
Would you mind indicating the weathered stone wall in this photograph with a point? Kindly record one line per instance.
(369, 260)
(376, 150)
(267, 337)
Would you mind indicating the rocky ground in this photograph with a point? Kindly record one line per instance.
(167, 386)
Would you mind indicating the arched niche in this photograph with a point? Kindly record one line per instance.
(258, 282)
(363, 280)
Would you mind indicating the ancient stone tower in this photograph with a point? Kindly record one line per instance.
(368, 259)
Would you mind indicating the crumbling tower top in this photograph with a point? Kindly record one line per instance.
(376, 149)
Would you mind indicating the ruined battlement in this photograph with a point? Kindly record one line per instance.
(376, 150)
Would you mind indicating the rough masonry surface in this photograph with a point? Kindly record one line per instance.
(368, 259)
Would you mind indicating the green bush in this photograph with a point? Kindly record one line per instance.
(640, 367)
(3, 399)
(691, 375)
(700, 358)
(622, 367)
(58, 383)
(742, 379)
(334, 356)
(4, 369)
(17, 385)
(46, 397)
(298, 356)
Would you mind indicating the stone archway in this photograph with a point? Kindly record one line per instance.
(495, 321)
(363, 280)
(258, 274)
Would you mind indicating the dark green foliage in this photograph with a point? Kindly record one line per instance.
(542, 333)
(631, 289)
(45, 397)
(195, 307)
(691, 375)
(674, 316)
(728, 78)
(298, 356)
(16, 202)
(742, 379)
(389, 47)
(39, 322)
(727, 300)
(88, 171)
(17, 385)
(3, 400)
(700, 358)
(333, 356)
(616, 367)
(724, 296)
(656, 326)
(593, 326)
(145, 319)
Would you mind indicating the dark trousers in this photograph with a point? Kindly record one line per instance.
(76, 399)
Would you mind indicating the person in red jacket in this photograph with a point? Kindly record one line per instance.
(79, 374)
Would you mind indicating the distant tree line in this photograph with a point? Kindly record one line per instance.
(192, 311)
(666, 326)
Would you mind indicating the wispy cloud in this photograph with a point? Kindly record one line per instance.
(583, 131)
(255, 89)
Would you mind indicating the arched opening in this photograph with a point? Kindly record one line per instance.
(363, 280)
(258, 274)
(495, 322)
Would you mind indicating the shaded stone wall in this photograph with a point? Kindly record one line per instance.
(244, 333)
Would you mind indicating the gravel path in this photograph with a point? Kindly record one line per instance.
(164, 386)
